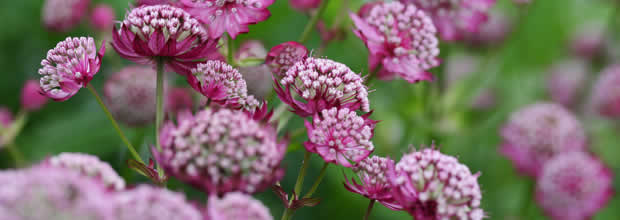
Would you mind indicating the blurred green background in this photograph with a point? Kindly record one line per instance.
(517, 71)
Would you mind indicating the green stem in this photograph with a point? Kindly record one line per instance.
(527, 202)
(287, 214)
(229, 55)
(302, 173)
(133, 151)
(317, 181)
(370, 205)
(159, 115)
(18, 157)
(312, 23)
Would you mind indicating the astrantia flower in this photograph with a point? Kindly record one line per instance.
(31, 98)
(259, 81)
(305, 5)
(221, 83)
(322, 84)
(221, 151)
(341, 137)
(373, 174)
(252, 49)
(147, 202)
(103, 17)
(606, 97)
(538, 132)
(566, 80)
(130, 95)
(71, 65)
(401, 40)
(62, 15)
(230, 16)
(237, 206)
(150, 33)
(47, 193)
(454, 18)
(88, 165)
(574, 186)
(282, 57)
(430, 185)
(179, 99)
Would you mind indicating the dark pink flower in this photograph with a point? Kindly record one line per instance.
(179, 99)
(282, 57)
(322, 84)
(455, 18)
(538, 132)
(71, 65)
(62, 15)
(606, 95)
(430, 185)
(89, 166)
(154, 203)
(340, 136)
(251, 49)
(574, 186)
(305, 5)
(566, 80)
(237, 206)
(401, 40)
(220, 151)
(230, 16)
(32, 99)
(373, 176)
(103, 17)
(150, 33)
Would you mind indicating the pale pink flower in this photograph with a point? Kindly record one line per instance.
(375, 185)
(154, 203)
(283, 56)
(251, 49)
(179, 99)
(566, 80)
(606, 92)
(258, 79)
(31, 98)
(90, 166)
(589, 40)
(130, 95)
(236, 206)
(62, 15)
(103, 17)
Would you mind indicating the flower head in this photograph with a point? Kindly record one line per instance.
(179, 99)
(282, 57)
(606, 94)
(322, 84)
(221, 151)
(574, 186)
(401, 40)
(431, 185)
(130, 95)
(260, 83)
(71, 65)
(492, 32)
(103, 17)
(373, 174)
(566, 80)
(62, 15)
(340, 136)
(151, 33)
(221, 83)
(538, 132)
(90, 166)
(235, 206)
(455, 18)
(147, 202)
(32, 99)
(589, 40)
(305, 5)
(251, 49)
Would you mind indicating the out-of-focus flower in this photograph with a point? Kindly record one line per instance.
(606, 94)
(455, 18)
(282, 57)
(574, 186)
(401, 39)
(90, 166)
(130, 95)
(373, 175)
(431, 185)
(221, 151)
(538, 132)
(163, 32)
(230, 16)
(258, 80)
(340, 136)
(71, 65)
(251, 49)
(588, 40)
(6, 120)
(328, 34)
(492, 32)
(322, 84)
(31, 98)
(49, 193)
(147, 202)
(305, 5)
(103, 17)
(237, 206)
(485, 100)
(221, 83)
(179, 99)
(62, 15)
(459, 66)
(566, 80)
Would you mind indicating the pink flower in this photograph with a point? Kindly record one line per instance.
(322, 84)
(89, 166)
(341, 137)
(62, 15)
(130, 95)
(566, 80)
(251, 49)
(150, 33)
(259, 81)
(231, 16)
(103, 17)
(455, 18)
(305, 5)
(32, 99)
(430, 185)
(574, 186)
(401, 40)
(153, 203)
(71, 65)
(589, 40)
(606, 95)
(538, 132)
(221, 151)
(373, 175)
(282, 57)
(236, 206)
(179, 99)
(493, 31)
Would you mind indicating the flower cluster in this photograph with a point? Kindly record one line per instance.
(62, 15)
(130, 95)
(147, 202)
(283, 56)
(375, 185)
(89, 166)
(234, 206)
